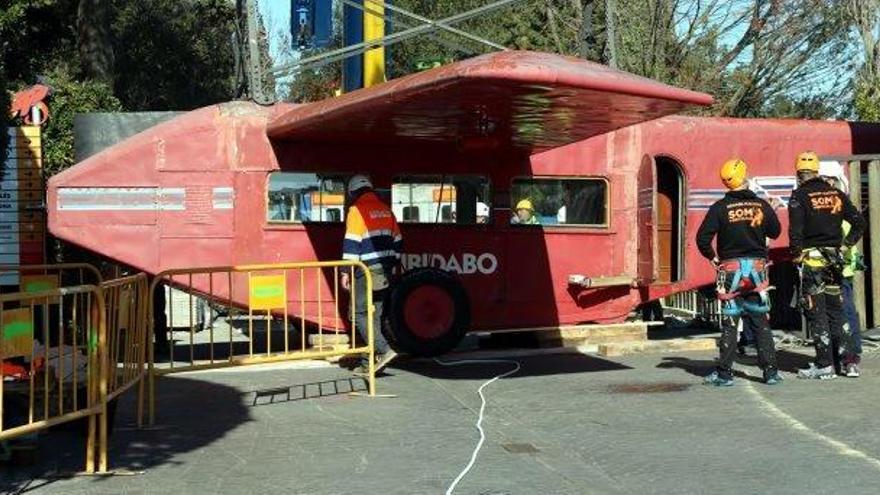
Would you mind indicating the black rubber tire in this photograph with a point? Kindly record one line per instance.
(401, 337)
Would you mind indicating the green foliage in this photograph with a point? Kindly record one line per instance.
(70, 97)
(315, 85)
(866, 101)
(173, 54)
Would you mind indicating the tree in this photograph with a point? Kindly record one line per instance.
(70, 97)
(169, 55)
(745, 52)
(173, 54)
(95, 40)
(865, 17)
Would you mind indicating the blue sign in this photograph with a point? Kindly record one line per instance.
(311, 23)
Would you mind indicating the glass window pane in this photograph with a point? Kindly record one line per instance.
(559, 202)
(304, 197)
(462, 200)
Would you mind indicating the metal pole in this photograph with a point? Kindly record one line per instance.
(855, 194)
(611, 33)
(874, 214)
(341, 53)
(388, 18)
(255, 73)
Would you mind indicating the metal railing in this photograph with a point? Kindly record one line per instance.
(69, 351)
(127, 303)
(693, 304)
(52, 346)
(245, 305)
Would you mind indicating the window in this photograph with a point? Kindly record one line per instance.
(459, 199)
(410, 214)
(303, 197)
(559, 202)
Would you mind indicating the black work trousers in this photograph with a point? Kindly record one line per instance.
(823, 310)
(760, 327)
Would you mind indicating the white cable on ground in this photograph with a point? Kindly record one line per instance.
(479, 446)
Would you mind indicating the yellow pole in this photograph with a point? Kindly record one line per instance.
(374, 29)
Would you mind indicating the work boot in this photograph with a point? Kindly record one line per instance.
(814, 373)
(382, 360)
(714, 378)
(385, 359)
(772, 378)
(853, 371)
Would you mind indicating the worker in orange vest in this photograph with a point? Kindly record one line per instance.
(372, 237)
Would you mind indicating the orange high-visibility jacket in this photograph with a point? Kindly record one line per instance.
(371, 232)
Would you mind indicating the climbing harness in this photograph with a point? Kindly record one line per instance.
(739, 277)
(819, 271)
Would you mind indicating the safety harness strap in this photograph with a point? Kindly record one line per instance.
(746, 275)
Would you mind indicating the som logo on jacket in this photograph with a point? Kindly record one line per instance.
(827, 201)
(746, 212)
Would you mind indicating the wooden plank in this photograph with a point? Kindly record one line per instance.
(593, 334)
(565, 327)
(657, 346)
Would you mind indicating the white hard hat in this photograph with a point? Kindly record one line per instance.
(482, 209)
(358, 182)
(828, 168)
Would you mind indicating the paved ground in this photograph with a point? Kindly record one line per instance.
(566, 424)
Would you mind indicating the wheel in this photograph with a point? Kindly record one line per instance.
(428, 313)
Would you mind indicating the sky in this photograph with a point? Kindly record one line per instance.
(277, 17)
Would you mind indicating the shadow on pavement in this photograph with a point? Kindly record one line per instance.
(530, 366)
(182, 426)
(787, 361)
(702, 367)
(304, 391)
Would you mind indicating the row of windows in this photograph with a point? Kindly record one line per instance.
(448, 199)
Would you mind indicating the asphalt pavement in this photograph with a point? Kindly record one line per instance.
(563, 424)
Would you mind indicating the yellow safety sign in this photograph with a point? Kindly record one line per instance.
(267, 292)
(17, 337)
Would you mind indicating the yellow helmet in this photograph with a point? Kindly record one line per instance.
(525, 204)
(807, 161)
(733, 173)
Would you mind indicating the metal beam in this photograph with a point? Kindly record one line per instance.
(441, 26)
(389, 18)
(391, 39)
(855, 194)
(874, 215)
(255, 73)
(847, 158)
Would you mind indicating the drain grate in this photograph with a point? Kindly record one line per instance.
(649, 388)
(520, 448)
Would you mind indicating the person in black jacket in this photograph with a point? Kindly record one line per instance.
(740, 223)
(816, 212)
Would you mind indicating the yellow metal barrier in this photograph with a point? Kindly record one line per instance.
(52, 343)
(258, 295)
(127, 304)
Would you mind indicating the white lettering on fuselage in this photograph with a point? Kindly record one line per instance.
(466, 264)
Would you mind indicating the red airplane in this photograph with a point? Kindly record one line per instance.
(617, 186)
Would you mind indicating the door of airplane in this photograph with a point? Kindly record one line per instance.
(670, 221)
(647, 221)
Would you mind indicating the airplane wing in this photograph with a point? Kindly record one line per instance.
(517, 100)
